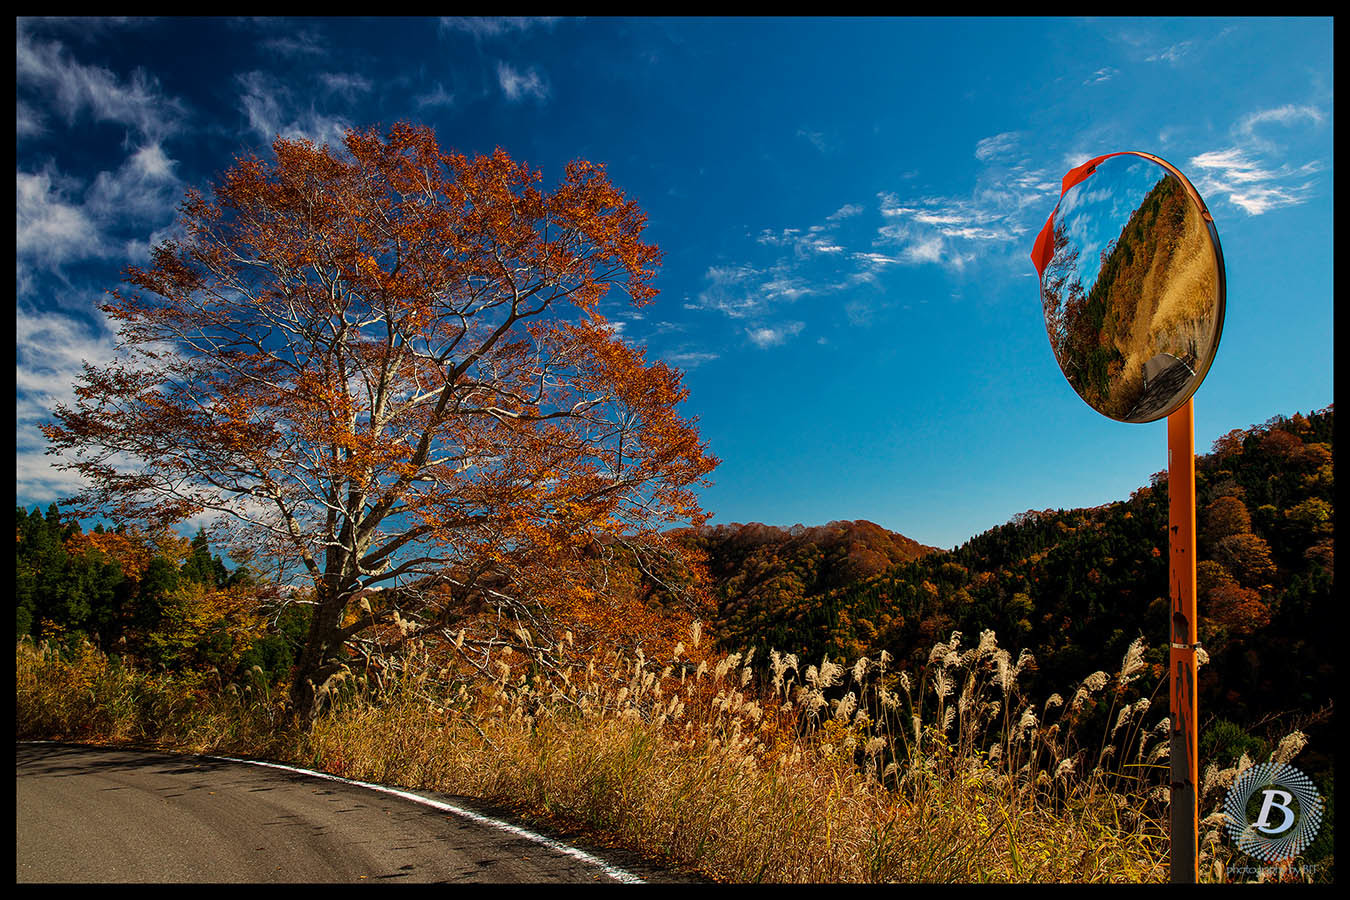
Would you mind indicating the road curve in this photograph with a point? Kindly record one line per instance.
(88, 814)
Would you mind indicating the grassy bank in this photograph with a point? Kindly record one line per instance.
(741, 776)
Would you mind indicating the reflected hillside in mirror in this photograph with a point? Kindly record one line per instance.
(1132, 294)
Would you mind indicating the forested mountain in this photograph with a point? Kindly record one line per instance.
(1075, 587)
(770, 582)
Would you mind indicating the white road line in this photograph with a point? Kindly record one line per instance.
(612, 871)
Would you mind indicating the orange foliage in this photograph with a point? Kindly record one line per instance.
(131, 550)
(1238, 608)
(392, 368)
(1224, 517)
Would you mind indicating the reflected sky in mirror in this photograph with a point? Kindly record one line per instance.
(1096, 210)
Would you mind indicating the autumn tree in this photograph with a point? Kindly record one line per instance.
(386, 367)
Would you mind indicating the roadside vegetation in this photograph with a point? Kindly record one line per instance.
(742, 769)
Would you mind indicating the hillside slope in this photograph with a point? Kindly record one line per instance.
(1076, 587)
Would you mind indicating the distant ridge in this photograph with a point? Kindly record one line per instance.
(866, 542)
(765, 576)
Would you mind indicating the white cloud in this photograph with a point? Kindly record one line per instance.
(1172, 54)
(77, 90)
(1250, 126)
(876, 260)
(1241, 174)
(816, 138)
(521, 85)
(781, 238)
(494, 26)
(767, 336)
(816, 239)
(743, 291)
(437, 97)
(27, 121)
(145, 187)
(731, 292)
(348, 84)
(1102, 75)
(925, 249)
(51, 228)
(273, 111)
(730, 274)
(689, 359)
(848, 210)
(261, 103)
(46, 225)
(297, 44)
(998, 145)
(1284, 115)
(849, 250)
(952, 231)
(1247, 184)
(50, 350)
(784, 287)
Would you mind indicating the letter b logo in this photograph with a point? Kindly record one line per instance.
(1282, 804)
(1284, 790)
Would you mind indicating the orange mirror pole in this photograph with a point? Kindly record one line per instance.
(1184, 750)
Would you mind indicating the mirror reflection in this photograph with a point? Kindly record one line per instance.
(1134, 293)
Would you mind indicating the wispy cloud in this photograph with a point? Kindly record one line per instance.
(27, 121)
(273, 110)
(50, 350)
(57, 220)
(847, 211)
(1242, 174)
(348, 84)
(494, 26)
(519, 85)
(1173, 53)
(854, 246)
(1102, 75)
(145, 187)
(76, 90)
(1249, 185)
(734, 291)
(304, 43)
(1252, 126)
(771, 336)
(997, 145)
(816, 138)
(683, 358)
(49, 229)
(952, 231)
(438, 96)
(816, 239)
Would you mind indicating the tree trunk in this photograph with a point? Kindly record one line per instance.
(319, 660)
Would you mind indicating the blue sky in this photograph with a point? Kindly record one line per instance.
(846, 209)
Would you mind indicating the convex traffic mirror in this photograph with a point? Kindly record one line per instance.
(1132, 286)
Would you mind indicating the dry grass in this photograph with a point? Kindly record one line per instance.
(1176, 304)
(814, 774)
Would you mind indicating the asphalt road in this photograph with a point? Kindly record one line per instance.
(88, 814)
